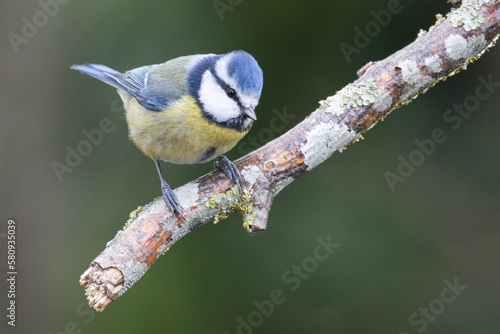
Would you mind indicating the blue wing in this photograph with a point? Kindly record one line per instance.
(156, 96)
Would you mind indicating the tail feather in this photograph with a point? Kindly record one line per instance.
(101, 72)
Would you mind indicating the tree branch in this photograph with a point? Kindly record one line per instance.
(449, 46)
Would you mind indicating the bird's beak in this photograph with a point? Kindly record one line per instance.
(250, 113)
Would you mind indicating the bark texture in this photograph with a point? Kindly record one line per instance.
(447, 48)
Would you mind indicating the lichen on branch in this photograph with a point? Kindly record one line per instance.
(447, 48)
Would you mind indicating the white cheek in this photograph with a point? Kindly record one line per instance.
(215, 101)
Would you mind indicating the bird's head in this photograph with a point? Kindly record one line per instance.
(227, 88)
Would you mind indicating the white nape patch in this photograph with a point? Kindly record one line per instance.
(187, 194)
(456, 47)
(215, 101)
(433, 63)
(323, 140)
(195, 60)
(252, 173)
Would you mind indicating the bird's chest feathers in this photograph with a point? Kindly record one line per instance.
(180, 134)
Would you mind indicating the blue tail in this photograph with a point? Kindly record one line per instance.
(102, 73)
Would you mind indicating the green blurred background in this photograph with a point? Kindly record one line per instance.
(396, 248)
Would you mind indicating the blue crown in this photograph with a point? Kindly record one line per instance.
(246, 71)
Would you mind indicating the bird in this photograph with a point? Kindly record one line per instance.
(188, 110)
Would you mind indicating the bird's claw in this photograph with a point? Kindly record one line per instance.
(229, 169)
(171, 200)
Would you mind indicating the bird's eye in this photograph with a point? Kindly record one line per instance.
(230, 92)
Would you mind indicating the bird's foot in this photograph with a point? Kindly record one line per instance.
(229, 169)
(171, 200)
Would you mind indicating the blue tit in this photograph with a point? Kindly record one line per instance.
(188, 110)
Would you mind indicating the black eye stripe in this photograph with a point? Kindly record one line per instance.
(236, 98)
(225, 86)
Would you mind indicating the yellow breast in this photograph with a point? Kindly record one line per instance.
(180, 134)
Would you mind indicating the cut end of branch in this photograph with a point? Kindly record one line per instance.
(101, 285)
(260, 221)
(262, 201)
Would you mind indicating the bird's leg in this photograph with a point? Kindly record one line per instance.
(168, 195)
(229, 169)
